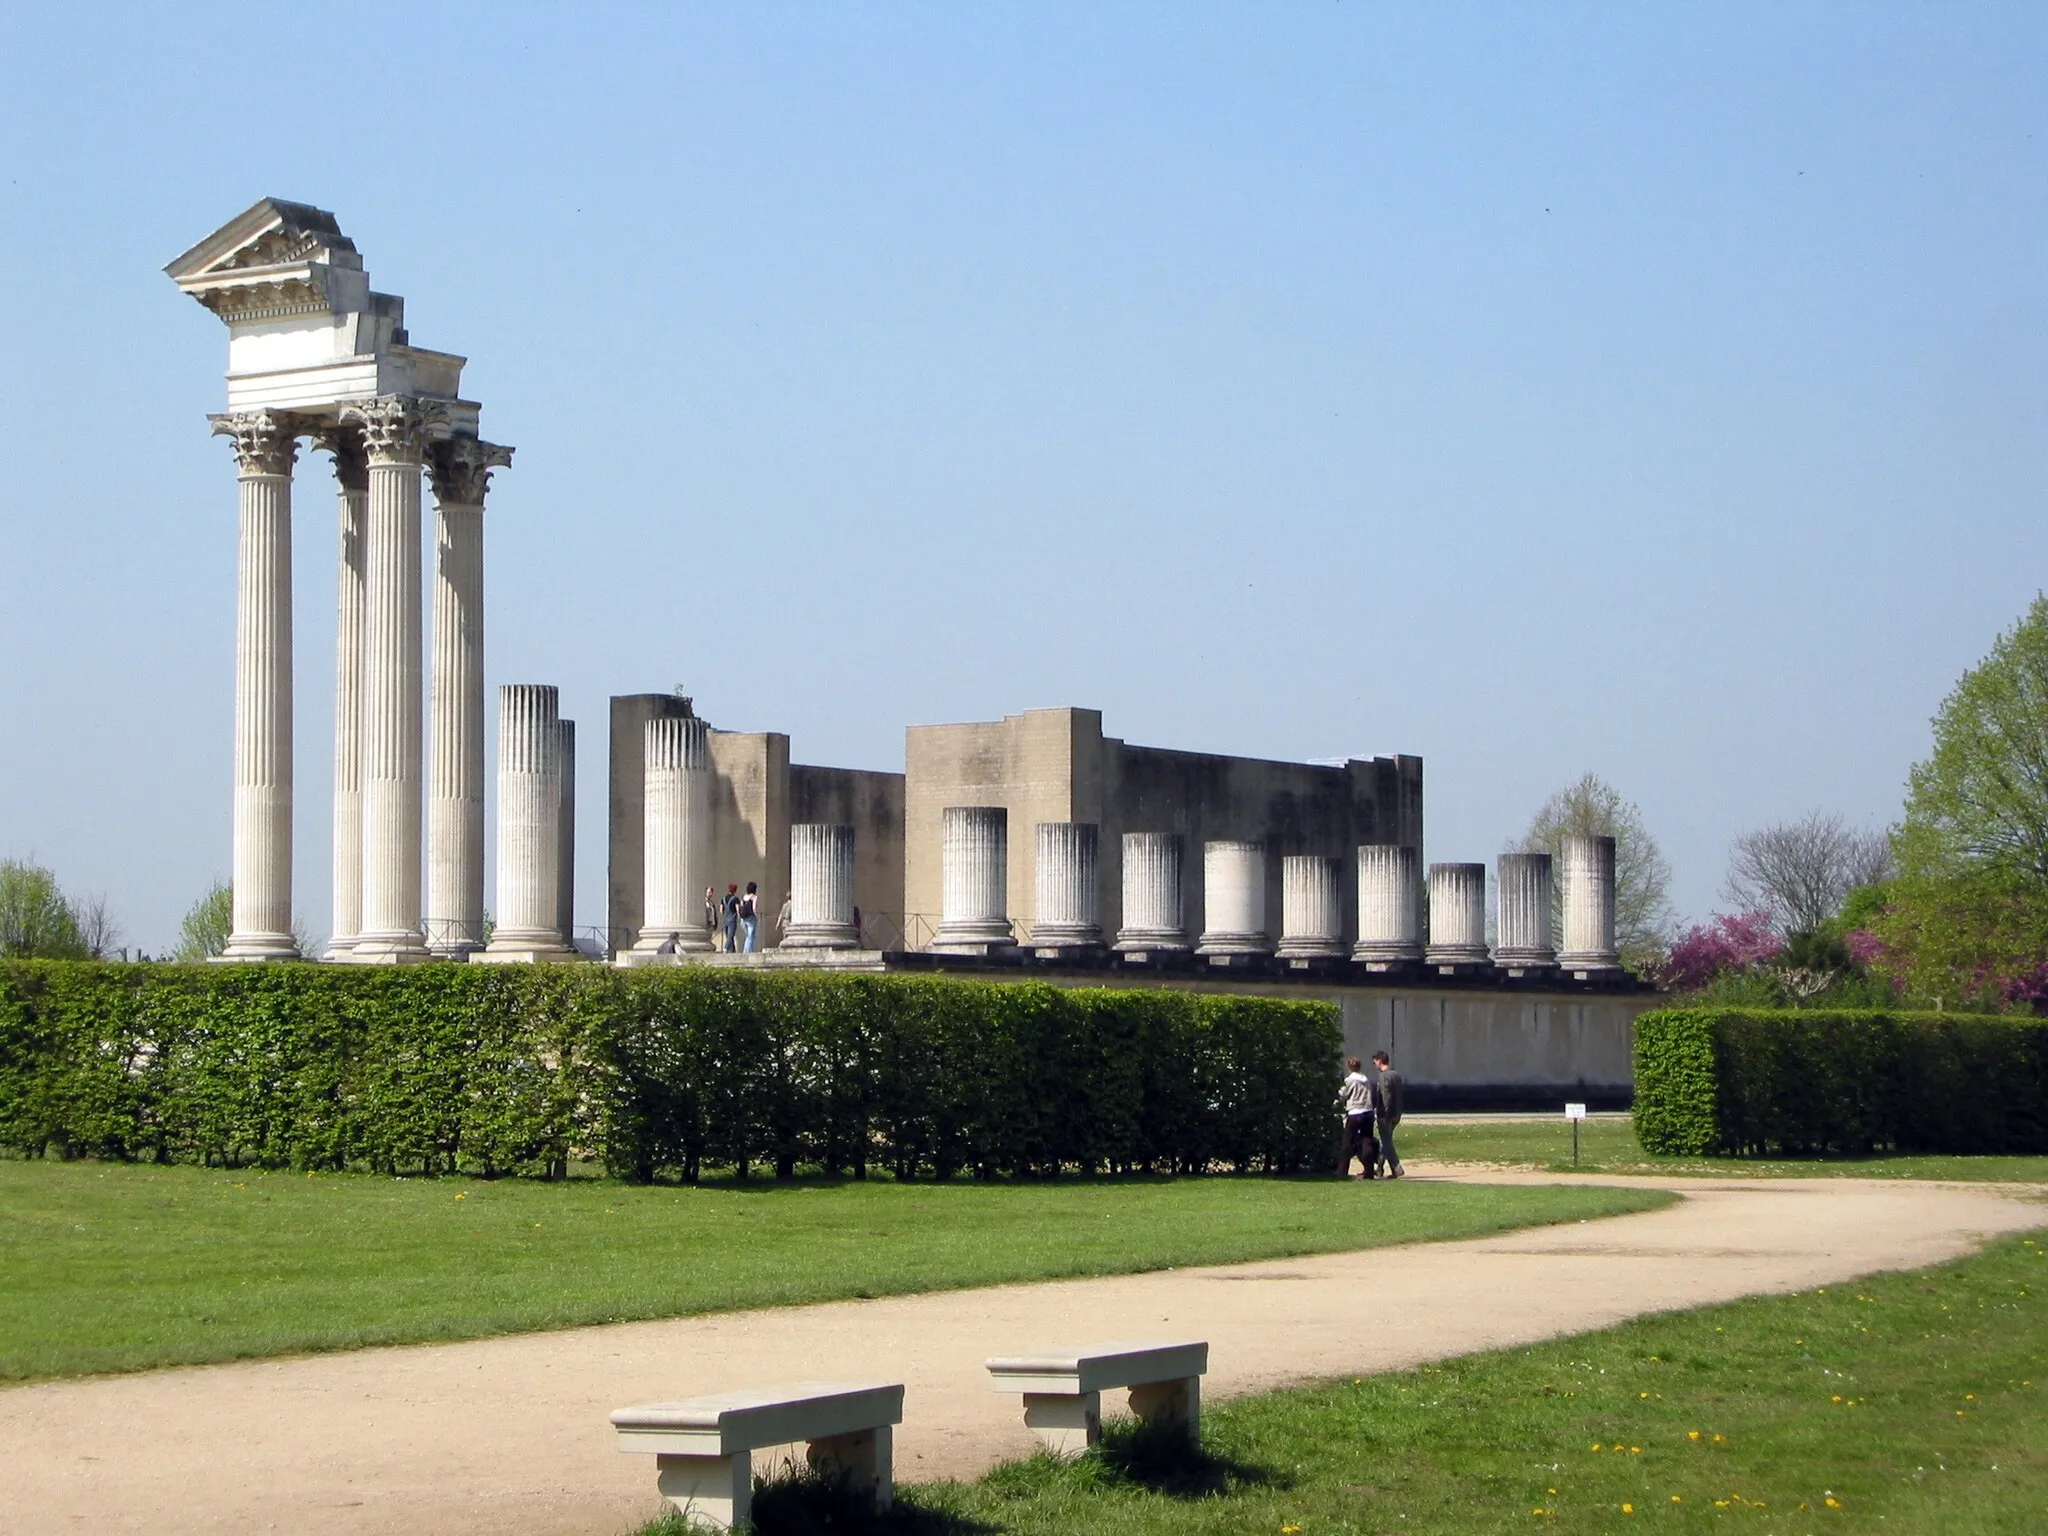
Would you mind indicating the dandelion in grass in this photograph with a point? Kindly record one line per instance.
(1628, 1509)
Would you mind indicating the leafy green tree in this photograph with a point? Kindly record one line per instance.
(36, 922)
(1980, 802)
(1966, 922)
(204, 932)
(1642, 876)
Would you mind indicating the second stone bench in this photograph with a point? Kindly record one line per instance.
(1063, 1387)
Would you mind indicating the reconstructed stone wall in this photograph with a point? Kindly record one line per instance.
(872, 804)
(1056, 765)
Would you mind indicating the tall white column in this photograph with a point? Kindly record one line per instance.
(1234, 899)
(529, 826)
(1311, 907)
(265, 443)
(1066, 886)
(1589, 905)
(1457, 915)
(565, 858)
(1389, 906)
(461, 472)
(1154, 900)
(393, 434)
(352, 472)
(820, 887)
(676, 838)
(974, 880)
(1525, 913)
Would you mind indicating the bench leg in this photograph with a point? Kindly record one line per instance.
(1067, 1425)
(1171, 1402)
(717, 1491)
(860, 1460)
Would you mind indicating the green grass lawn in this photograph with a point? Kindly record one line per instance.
(1906, 1403)
(112, 1267)
(1608, 1145)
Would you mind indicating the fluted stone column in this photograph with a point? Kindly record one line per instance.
(974, 880)
(1154, 903)
(676, 839)
(820, 887)
(1065, 883)
(265, 443)
(1589, 905)
(352, 473)
(1525, 897)
(529, 826)
(1389, 906)
(565, 858)
(1311, 907)
(461, 471)
(1234, 900)
(1457, 915)
(393, 433)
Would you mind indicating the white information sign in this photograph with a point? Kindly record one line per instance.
(1575, 1111)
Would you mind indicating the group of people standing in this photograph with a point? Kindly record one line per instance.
(1371, 1103)
(736, 917)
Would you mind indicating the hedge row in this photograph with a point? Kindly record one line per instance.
(653, 1073)
(1733, 1081)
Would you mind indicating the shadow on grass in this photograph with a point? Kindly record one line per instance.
(1133, 1456)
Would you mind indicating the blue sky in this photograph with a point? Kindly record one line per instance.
(1652, 390)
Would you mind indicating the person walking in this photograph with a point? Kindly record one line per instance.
(750, 919)
(1355, 1099)
(1389, 1091)
(729, 916)
(782, 918)
(711, 915)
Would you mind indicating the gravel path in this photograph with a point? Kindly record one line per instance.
(508, 1437)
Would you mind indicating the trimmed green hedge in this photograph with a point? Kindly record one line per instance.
(1807, 1081)
(653, 1073)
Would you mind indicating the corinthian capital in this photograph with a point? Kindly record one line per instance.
(461, 469)
(351, 458)
(265, 442)
(393, 428)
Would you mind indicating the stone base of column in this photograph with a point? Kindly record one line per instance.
(389, 949)
(453, 946)
(1311, 947)
(1458, 959)
(1216, 945)
(524, 946)
(972, 937)
(341, 950)
(1065, 936)
(1164, 941)
(1526, 962)
(664, 946)
(819, 936)
(1586, 965)
(259, 946)
(1379, 956)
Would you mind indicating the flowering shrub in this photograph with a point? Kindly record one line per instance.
(1744, 942)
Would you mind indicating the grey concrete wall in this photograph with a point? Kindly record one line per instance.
(872, 804)
(750, 817)
(626, 868)
(1056, 765)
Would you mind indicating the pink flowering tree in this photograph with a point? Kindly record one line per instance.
(1746, 941)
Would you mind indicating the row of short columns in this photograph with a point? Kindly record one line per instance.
(974, 879)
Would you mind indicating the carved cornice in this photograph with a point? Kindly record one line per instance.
(393, 428)
(265, 442)
(266, 300)
(351, 457)
(461, 469)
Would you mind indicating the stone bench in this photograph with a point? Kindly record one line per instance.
(703, 1447)
(1063, 1387)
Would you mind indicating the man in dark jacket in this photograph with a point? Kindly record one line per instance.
(1389, 1096)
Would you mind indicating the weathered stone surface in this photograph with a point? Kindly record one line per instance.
(1234, 889)
(1589, 905)
(529, 826)
(1525, 914)
(1311, 907)
(976, 850)
(820, 887)
(1154, 899)
(1457, 915)
(1389, 905)
(1068, 897)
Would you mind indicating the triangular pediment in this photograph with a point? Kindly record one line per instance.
(272, 233)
